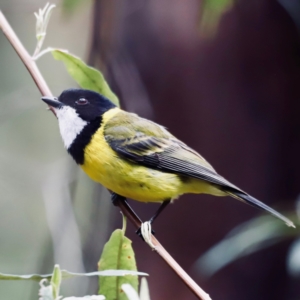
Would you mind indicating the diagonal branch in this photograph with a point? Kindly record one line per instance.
(123, 205)
(25, 57)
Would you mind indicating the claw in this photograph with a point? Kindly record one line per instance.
(145, 232)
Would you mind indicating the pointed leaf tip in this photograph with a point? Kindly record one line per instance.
(86, 76)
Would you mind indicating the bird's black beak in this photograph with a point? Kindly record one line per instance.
(53, 102)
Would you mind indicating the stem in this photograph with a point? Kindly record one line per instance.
(162, 252)
(25, 57)
(126, 209)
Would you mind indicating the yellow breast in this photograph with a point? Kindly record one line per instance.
(130, 180)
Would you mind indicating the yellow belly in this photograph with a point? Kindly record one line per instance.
(130, 180)
(127, 179)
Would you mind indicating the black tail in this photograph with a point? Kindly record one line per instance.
(256, 203)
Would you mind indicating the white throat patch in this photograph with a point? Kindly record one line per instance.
(70, 124)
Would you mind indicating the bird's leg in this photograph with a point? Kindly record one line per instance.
(115, 198)
(145, 230)
(150, 222)
(122, 203)
(160, 209)
(118, 200)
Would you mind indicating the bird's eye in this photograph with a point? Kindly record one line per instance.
(82, 101)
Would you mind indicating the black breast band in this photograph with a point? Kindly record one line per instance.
(83, 139)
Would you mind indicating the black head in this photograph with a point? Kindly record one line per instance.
(87, 104)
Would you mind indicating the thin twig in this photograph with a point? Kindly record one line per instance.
(126, 209)
(25, 57)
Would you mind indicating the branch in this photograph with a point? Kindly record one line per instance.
(126, 209)
(25, 57)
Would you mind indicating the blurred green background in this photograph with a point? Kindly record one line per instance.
(231, 91)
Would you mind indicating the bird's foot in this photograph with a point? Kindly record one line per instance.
(145, 233)
(139, 231)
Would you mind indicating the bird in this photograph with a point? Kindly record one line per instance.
(134, 157)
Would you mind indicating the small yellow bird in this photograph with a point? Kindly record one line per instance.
(134, 157)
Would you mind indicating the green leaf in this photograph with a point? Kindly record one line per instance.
(66, 275)
(212, 11)
(243, 240)
(56, 281)
(86, 76)
(117, 254)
